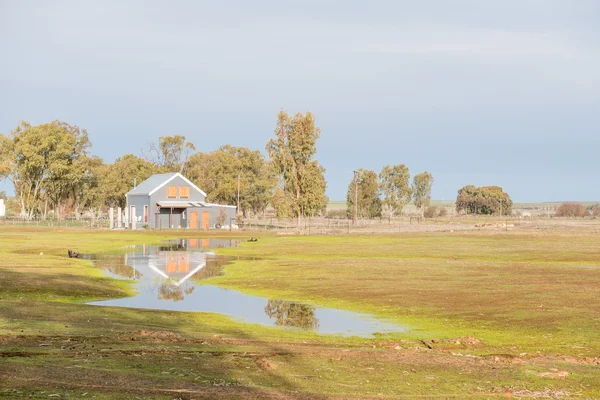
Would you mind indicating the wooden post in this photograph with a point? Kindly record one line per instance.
(238, 194)
(355, 214)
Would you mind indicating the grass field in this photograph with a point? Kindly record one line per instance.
(502, 311)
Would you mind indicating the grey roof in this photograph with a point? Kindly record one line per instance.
(151, 183)
(186, 203)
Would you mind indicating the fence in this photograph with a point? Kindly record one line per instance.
(91, 223)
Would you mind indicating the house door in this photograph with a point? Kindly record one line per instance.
(205, 220)
(193, 220)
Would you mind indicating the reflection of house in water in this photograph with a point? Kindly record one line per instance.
(174, 263)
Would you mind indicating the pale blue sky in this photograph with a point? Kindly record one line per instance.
(477, 92)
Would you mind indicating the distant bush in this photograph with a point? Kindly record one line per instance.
(569, 209)
(430, 212)
(433, 212)
(594, 210)
(485, 200)
(337, 214)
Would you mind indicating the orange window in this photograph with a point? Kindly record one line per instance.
(184, 192)
(172, 191)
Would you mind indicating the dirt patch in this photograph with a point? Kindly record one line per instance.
(553, 374)
(465, 340)
(266, 364)
(164, 335)
(17, 354)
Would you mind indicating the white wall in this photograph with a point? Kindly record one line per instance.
(2, 208)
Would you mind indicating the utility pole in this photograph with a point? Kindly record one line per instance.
(238, 194)
(355, 214)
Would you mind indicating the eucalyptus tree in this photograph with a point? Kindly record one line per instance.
(395, 188)
(301, 180)
(231, 174)
(483, 200)
(116, 179)
(421, 188)
(365, 188)
(171, 153)
(39, 161)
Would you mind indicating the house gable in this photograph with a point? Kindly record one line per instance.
(176, 189)
(178, 175)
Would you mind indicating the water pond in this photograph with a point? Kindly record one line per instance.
(165, 277)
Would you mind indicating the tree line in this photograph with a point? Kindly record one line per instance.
(53, 171)
(387, 193)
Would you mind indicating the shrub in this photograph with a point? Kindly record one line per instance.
(569, 209)
(594, 210)
(337, 214)
(431, 212)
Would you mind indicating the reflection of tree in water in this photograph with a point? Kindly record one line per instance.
(213, 267)
(168, 290)
(117, 266)
(296, 315)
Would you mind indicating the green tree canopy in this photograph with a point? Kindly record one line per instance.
(367, 187)
(395, 188)
(483, 200)
(301, 180)
(117, 179)
(171, 153)
(218, 172)
(421, 188)
(40, 161)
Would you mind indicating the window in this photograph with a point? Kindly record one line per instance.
(145, 213)
(184, 192)
(172, 192)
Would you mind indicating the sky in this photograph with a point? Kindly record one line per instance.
(476, 92)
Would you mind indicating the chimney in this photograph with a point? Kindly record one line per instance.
(135, 182)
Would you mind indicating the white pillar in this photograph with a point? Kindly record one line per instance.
(119, 217)
(111, 217)
(133, 218)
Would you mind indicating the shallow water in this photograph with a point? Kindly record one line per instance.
(165, 276)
